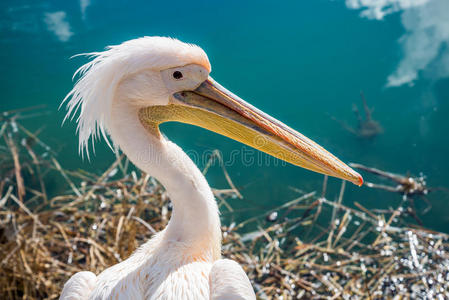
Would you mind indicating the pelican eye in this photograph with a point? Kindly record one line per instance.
(177, 75)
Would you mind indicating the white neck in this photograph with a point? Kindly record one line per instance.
(195, 219)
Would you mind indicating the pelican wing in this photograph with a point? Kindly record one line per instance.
(79, 286)
(228, 281)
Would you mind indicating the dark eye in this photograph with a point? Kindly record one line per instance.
(177, 75)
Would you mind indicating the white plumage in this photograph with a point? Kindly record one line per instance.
(94, 92)
(79, 286)
(125, 92)
(225, 271)
(177, 262)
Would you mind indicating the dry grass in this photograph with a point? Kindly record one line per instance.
(309, 247)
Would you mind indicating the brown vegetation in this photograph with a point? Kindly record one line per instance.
(309, 247)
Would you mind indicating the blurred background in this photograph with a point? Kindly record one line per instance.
(303, 62)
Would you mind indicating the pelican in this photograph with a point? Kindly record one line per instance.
(124, 93)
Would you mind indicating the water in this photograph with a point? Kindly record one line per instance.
(298, 61)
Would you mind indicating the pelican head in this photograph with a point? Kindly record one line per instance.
(164, 79)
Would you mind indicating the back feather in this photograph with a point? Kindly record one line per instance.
(228, 281)
(79, 286)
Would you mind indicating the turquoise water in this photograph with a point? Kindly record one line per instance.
(298, 61)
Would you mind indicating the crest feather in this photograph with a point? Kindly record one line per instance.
(91, 97)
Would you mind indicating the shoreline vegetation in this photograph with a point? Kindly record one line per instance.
(310, 247)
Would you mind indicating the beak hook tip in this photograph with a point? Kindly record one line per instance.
(360, 180)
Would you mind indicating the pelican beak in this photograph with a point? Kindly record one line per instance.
(213, 107)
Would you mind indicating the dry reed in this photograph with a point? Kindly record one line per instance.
(309, 247)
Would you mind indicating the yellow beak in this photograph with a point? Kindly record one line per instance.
(213, 107)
